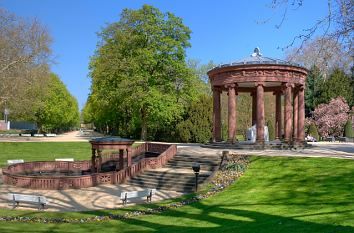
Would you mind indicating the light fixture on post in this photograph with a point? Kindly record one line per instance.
(196, 169)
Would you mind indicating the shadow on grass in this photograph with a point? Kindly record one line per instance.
(226, 219)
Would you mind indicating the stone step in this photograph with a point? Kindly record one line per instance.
(167, 177)
(177, 174)
(181, 187)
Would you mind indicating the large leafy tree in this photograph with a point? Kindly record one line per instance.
(139, 75)
(58, 110)
(24, 57)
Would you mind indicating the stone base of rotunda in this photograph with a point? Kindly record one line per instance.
(244, 145)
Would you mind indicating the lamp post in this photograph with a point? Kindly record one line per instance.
(6, 113)
(196, 169)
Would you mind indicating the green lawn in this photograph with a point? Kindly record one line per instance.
(275, 195)
(41, 151)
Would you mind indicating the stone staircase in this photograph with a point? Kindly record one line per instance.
(177, 174)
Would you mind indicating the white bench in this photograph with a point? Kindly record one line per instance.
(17, 198)
(124, 196)
(65, 159)
(50, 135)
(38, 135)
(26, 135)
(14, 161)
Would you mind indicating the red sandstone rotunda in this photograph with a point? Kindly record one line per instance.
(255, 75)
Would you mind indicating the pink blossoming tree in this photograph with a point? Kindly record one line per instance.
(330, 118)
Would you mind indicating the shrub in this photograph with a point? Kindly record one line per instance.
(348, 129)
(271, 130)
(313, 131)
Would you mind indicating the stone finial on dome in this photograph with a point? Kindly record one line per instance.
(256, 52)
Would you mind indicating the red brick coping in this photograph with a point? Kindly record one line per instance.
(13, 174)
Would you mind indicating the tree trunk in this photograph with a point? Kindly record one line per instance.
(143, 124)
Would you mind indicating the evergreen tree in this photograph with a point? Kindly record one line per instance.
(271, 130)
(313, 88)
(348, 129)
(313, 131)
(338, 84)
(197, 126)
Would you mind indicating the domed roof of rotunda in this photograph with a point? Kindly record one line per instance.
(257, 58)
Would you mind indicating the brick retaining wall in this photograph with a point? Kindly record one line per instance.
(13, 174)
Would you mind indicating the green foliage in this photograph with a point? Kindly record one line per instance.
(348, 129)
(140, 79)
(314, 81)
(58, 110)
(313, 131)
(271, 130)
(338, 84)
(197, 125)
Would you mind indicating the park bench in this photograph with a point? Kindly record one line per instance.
(25, 135)
(329, 139)
(341, 139)
(124, 196)
(33, 199)
(50, 135)
(14, 161)
(38, 135)
(65, 159)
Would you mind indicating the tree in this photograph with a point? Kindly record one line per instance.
(58, 110)
(24, 57)
(338, 84)
(348, 129)
(337, 24)
(314, 81)
(325, 53)
(330, 118)
(197, 125)
(271, 130)
(139, 71)
(313, 131)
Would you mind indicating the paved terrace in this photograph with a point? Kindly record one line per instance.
(107, 196)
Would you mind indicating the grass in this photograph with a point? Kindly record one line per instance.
(277, 194)
(43, 151)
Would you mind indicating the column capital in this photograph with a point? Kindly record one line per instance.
(301, 87)
(278, 92)
(230, 85)
(256, 84)
(216, 88)
(286, 85)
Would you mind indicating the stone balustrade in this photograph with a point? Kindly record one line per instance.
(16, 174)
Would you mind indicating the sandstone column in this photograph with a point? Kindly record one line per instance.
(301, 127)
(93, 161)
(216, 115)
(296, 108)
(287, 113)
(231, 113)
(254, 108)
(129, 157)
(260, 113)
(121, 159)
(278, 115)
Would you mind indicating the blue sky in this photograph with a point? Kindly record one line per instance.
(222, 31)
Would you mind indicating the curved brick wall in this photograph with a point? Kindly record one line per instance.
(14, 174)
